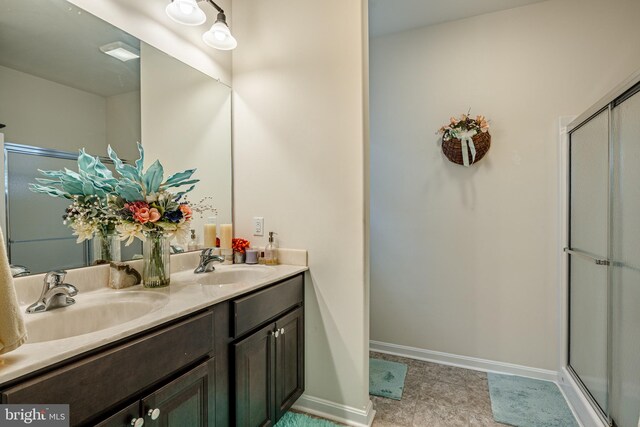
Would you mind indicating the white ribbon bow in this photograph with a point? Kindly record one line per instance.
(466, 140)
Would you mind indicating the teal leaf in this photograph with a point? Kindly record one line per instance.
(85, 161)
(129, 190)
(52, 174)
(88, 189)
(47, 181)
(177, 177)
(153, 177)
(71, 185)
(140, 161)
(180, 184)
(51, 191)
(123, 169)
(182, 193)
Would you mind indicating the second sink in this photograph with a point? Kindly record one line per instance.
(224, 275)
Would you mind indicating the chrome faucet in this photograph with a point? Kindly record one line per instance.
(19, 270)
(206, 261)
(55, 293)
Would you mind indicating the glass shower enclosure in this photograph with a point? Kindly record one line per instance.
(604, 255)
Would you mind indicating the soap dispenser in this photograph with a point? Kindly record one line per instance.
(193, 241)
(271, 251)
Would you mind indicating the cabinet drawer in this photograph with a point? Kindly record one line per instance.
(98, 382)
(264, 305)
(122, 418)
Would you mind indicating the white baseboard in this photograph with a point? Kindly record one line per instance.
(582, 409)
(335, 411)
(464, 361)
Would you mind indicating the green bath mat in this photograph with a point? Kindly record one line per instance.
(295, 419)
(525, 402)
(386, 378)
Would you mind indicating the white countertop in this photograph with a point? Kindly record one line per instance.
(183, 299)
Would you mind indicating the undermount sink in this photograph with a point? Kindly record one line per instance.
(92, 313)
(224, 275)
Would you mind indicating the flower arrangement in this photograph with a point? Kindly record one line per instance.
(240, 245)
(89, 190)
(143, 202)
(138, 204)
(464, 123)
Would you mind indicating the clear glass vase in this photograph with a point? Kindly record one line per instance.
(106, 248)
(157, 265)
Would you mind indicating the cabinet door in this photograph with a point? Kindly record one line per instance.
(254, 385)
(289, 360)
(124, 418)
(189, 400)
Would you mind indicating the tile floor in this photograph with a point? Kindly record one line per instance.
(436, 396)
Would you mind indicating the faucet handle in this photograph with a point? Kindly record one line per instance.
(55, 278)
(206, 253)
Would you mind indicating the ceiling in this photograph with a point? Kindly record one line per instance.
(57, 41)
(393, 16)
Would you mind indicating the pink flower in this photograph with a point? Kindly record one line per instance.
(141, 215)
(154, 215)
(454, 121)
(186, 212)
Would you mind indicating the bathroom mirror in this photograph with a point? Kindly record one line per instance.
(70, 80)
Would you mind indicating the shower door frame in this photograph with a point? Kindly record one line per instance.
(588, 409)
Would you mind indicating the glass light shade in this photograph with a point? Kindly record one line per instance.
(186, 12)
(219, 37)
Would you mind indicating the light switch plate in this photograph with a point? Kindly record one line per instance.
(258, 226)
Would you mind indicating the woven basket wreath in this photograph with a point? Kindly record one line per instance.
(466, 134)
(452, 148)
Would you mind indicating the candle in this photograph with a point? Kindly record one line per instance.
(226, 235)
(209, 235)
(210, 232)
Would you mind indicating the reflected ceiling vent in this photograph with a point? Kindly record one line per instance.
(121, 51)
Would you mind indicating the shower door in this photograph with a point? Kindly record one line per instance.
(588, 255)
(625, 265)
(604, 258)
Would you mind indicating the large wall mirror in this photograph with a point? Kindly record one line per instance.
(69, 80)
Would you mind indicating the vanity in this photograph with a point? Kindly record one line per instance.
(214, 349)
(212, 355)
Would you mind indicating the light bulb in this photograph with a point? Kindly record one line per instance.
(186, 12)
(186, 8)
(219, 35)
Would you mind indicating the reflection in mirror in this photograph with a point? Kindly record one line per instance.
(70, 80)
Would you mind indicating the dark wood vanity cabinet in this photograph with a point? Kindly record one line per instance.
(269, 360)
(185, 401)
(240, 362)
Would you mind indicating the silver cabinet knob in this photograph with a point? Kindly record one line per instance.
(282, 331)
(276, 333)
(137, 422)
(154, 413)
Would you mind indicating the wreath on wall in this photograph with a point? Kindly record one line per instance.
(466, 140)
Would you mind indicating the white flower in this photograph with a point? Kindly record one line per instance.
(83, 230)
(151, 197)
(182, 231)
(129, 231)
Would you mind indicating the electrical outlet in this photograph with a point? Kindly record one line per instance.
(258, 226)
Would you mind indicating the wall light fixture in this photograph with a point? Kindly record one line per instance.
(187, 12)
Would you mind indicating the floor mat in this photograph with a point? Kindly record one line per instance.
(386, 378)
(525, 402)
(296, 419)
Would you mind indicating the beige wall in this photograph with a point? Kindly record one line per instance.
(186, 118)
(45, 114)
(299, 140)
(147, 21)
(464, 261)
(123, 124)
